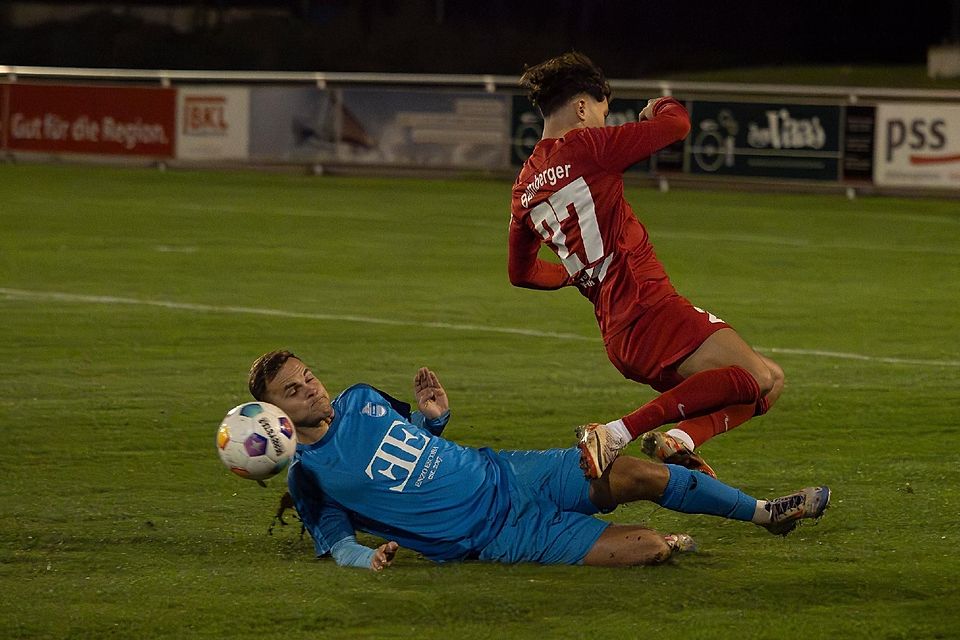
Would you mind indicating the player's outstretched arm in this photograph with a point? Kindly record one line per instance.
(350, 553)
(663, 121)
(431, 398)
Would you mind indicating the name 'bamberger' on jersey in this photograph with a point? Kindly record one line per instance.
(549, 176)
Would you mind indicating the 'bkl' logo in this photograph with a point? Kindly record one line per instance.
(785, 132)
(205, 116)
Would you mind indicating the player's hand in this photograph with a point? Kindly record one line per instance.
(431, 398)
(383, 557)
(647, 113)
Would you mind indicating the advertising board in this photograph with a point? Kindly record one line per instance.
(112, 120)
(858, 133)
(917, 145)
(396, 127)
(768, 140)
(213, 122)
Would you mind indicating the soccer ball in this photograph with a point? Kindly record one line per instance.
(256, 440)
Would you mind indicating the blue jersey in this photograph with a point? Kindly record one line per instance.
(378, 471)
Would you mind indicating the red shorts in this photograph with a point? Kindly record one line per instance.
(651, 349)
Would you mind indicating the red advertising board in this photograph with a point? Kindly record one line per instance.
(112, 120)
(4, 103)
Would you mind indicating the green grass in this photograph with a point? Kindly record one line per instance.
(119, 521)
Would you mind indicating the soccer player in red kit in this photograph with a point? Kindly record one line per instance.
(569, 196)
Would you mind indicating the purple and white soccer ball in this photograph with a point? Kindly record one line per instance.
(256, 440)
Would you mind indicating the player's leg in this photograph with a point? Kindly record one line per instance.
(694, 432)
(551, 516)
(676, 488)
(627, 545)
(648, 352)
(708, 376)
(723, 371)
(723, 348)
(700, 395)
(564, 531)
(711, 381)
(696, 360)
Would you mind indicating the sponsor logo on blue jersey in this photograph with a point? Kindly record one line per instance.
(374, 410)
(397, 455)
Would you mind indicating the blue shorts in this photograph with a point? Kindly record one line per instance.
(551, 516)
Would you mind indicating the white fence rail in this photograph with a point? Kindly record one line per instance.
(490, 83)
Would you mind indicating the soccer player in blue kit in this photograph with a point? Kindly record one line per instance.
(365, 462)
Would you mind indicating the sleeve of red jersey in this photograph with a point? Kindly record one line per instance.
(628, 144)
(525, 268)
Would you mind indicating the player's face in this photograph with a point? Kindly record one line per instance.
(301, 396)
(596, 112)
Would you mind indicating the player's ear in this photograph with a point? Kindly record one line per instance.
(582, 109)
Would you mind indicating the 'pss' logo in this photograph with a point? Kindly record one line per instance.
(917, 134)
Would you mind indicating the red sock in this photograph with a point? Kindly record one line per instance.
(705, 427)
(763, 405)
(702, 393)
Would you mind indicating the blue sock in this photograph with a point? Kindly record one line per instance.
(694, 492)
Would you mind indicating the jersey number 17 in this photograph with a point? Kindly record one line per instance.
(567, 221)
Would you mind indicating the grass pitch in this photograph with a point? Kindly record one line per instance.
(133, 301)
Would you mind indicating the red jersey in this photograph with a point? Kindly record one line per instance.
(569, 195)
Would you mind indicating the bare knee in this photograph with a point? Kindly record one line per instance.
(764, 377)
(773, 380)
(769, 377)
(726, 348)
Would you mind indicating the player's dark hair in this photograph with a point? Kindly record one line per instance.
(264, 369)
(552, 84)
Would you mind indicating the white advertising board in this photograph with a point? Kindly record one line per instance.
(380, 126)
(917, 145)
(213, 123)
